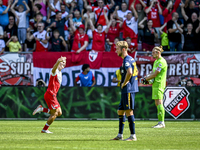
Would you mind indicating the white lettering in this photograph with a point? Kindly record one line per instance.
(142, 70)
(178, 73)
(4, 67)
(26, 68)
(192, 68)
(185, 69)
(172, 68)
(13, 68)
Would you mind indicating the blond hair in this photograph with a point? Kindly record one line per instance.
(159, 48)
(122, 44)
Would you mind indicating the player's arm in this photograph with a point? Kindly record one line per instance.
(57, 63)
(93, 81)
(129, 73)
(76, 80)
(153, 75)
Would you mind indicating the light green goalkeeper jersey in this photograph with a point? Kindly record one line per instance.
(160, 80)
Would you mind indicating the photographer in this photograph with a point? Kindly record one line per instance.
(40, 83)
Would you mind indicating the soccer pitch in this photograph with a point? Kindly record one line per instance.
(97, 134)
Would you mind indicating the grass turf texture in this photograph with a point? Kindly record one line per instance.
(97, 134)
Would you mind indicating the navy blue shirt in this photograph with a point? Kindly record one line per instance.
(132, 86)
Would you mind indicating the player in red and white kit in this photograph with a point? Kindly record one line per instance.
(50, 96)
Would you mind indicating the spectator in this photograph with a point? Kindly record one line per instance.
(80, 38)
(36, 9)
(197, 37)
(117, 76)
(41, 41)
(193, 19)
(22, 19)
(190, 8)
(189, 82)
(57, 41)
(141, 14)
(63, 11)
(122, 14)
(29, 45)
(58, 23)
(131, 47)
(189, 37)
(4, 13)
(39, 19)
(164, 38)
(130, 26)
(14, 45)
(99, 35)
(53, 8)
(86, 78)
(150, 34)
(2, 43)
(92, 16)
(77, 19)
(153, 12)
(174, 32)
(91, 3)
(99, 13)
(75, 7)
(90, 36)
(169, 10)
(113, 47)
(43, 9)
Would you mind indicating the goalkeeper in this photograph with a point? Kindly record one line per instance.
(159, 74)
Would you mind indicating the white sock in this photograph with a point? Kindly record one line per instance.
(133, 135)
(120, 135)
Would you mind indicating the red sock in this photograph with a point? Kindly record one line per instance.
(46, 126)
(46, 110)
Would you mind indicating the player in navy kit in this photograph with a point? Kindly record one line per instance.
(129, 86)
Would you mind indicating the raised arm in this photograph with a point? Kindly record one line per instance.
(105, 15)
(141, 25)
(159, 8)
(46, 35)
(198, 29)
(112, 4)
(6, 10)
(186, 3)
(183, 11)
(27, 8)
(166, 10)
(91, 24)
(63, 41)
(109, 24)
(134, 11)
(149, 8)
(142, 3)
(12, 7)
(162, 27)
(61, 59)
(71, 23)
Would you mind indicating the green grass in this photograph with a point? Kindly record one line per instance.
(97, 134)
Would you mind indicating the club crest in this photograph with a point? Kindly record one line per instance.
(93, 55)
(176, 101)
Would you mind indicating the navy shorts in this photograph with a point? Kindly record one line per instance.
(127, 101)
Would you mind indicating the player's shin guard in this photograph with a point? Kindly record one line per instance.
(161, 113)
(131, 120)
(122, 120)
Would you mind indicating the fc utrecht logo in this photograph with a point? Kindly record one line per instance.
(93, 55)
(176, 101)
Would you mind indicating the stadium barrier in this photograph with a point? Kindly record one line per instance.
(78, 102)
(26, 68)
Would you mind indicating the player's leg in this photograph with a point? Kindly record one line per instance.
(130, 116)
(54, 114)
(122, 120)
(160, 113)
(40, 109)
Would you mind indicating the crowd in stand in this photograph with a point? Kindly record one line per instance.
(84, 25)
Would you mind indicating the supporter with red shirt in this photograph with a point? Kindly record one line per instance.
(131, 46)
(99, 12)
(153, 12)
(99, 35)
(113, 47)
(130, 26)
(80, 38)
(169, 10)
